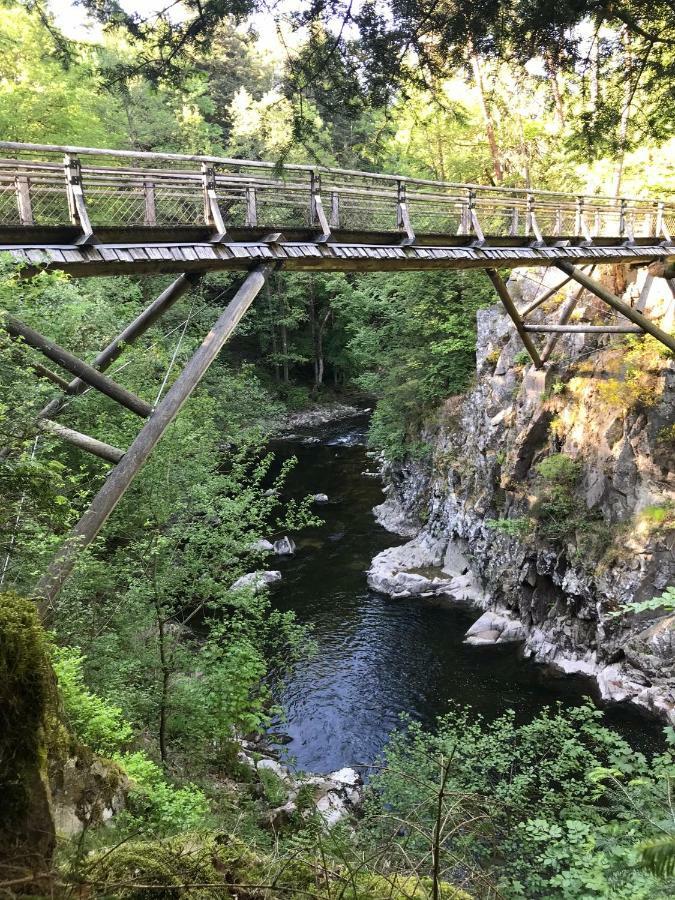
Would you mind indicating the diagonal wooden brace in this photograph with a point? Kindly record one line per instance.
(82, 441)
(134, 329)
(619, 305)
(510, 307)
(119, 479)
(19, 331)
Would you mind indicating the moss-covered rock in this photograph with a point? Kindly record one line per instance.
(28, 704)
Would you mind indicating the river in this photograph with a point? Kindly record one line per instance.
(378, 658)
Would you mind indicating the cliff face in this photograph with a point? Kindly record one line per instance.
(549, 499)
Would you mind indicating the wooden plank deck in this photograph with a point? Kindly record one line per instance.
(102, 259)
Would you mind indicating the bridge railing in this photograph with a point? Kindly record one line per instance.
(49, 185)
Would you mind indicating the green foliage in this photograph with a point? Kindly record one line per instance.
(665, 602)
(164, 866)
(89, 718)
(560, 470)
(156, 806)
(411, 342)
(562, 516)
(274, 789)
(658, 856)
(518, 527)
(27, 700)
(522, 358)
(554, 808)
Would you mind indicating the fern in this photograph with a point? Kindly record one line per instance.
(658, 856)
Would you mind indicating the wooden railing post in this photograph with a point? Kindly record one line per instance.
(661, 226)
(513, 231)
(531, 223)
(251, 208)
(334, 209)
(580, 225)
(212, 214)
(150, 217)
(474, 224)
(317, 215)
(76, 205)
(625, 226)
(402, 215)
(22, 187)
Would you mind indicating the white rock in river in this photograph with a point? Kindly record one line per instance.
(320, 498)
(332, 808)
(493, 628)
(262, 546)
(258, 581)
(347, 776)
(272, 766)
(285, 546)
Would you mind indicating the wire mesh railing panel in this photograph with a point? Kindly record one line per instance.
(429, 217)
(283, 208)
(9, 207)
(116, 206)
(179, 204)
(128, 189)
(49, 201)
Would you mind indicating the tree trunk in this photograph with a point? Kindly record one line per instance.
(625, 110)
(273, 331)
(164, 690)
(487, 118)
(284, 340)
(552, 72)
(317, 338)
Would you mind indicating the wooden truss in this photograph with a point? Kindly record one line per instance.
(640, 323)
(127, 463)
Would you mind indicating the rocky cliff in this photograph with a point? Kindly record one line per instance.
(548, 501)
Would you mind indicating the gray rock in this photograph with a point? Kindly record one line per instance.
(485, 450)
(262, 546)
(258, 581)
(320, 498)
(285, 546)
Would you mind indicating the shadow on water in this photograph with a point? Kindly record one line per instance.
(376, 657)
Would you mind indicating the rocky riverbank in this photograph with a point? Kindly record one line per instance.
(550, 551)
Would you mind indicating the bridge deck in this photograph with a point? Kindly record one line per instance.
(112, 259)
(93, 211)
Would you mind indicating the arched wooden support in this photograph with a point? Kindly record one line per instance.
(510, 307)
(619, 305)
(119, 479)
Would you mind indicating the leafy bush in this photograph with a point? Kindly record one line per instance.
(517, 527)
(92, 720)
(555, 808)
(663, 603)
(156, 806)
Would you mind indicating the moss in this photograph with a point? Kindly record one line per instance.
(397, 887)
(28, 717)
(137, 870)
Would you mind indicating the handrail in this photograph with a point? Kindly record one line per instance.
(293, 167)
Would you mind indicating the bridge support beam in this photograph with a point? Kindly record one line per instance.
(62, 357)
(135, 329)
(511, 309)
(619, 305)
(120, 478)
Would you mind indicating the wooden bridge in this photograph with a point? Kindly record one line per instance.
(93, 212)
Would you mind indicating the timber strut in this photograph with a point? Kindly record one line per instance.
(94, 212)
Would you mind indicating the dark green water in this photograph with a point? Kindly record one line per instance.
(378, 658)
